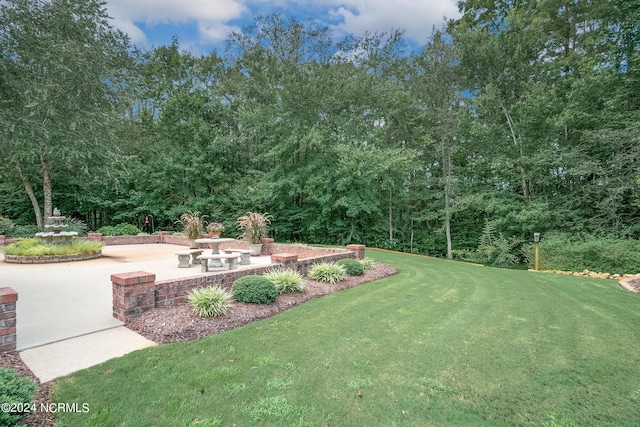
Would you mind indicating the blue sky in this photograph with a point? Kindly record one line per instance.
(202, 25)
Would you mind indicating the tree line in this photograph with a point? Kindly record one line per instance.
(519, 117)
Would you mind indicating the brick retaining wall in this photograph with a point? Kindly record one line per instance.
(138, 291)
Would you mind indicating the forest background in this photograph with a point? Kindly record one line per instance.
(519, 117)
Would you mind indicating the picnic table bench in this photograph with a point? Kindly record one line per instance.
(245, 255)
(232, 259)
(183, 257)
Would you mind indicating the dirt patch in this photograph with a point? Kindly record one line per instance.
(178, 323)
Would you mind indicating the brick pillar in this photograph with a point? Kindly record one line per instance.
(94, 237)
(358, 249)
(267, 246)
(285, 260)
(2, 240)
(133, 294)
(8, 299)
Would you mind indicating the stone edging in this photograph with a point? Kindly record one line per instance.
(50, 259)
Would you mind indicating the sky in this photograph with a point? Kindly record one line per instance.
(202, 25)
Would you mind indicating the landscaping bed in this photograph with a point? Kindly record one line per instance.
(179, 323)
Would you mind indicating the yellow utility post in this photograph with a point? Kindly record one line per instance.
(536, 239)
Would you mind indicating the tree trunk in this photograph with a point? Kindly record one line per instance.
(34, 201)
(523, 176)
(448, 176)
(390, 218)
(46, 184)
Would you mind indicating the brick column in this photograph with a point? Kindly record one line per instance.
(133, 294)
(8, 299)
(2, 240)
(285, 260)
(267, 243)
(94, 237)
(358, 249)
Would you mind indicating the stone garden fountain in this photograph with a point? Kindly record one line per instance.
(55, 227)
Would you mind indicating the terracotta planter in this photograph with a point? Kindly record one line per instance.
(214, 234)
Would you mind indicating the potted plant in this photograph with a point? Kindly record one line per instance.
(254, 227)
(214, 229)
(192, 226)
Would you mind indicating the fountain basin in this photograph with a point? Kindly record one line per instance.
(56, 238)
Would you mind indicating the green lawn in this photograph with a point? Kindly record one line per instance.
(440, 344)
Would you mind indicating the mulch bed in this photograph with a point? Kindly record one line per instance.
(179, 324)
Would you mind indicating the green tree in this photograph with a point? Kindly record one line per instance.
(60, 93)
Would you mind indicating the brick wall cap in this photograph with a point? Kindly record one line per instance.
(8, 295)
(284, 257)
(356, 246)
(133, 278)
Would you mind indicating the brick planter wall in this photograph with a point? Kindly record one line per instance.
(138, 291)
(50, 259)
(8, 300)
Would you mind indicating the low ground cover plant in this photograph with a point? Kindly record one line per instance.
(254, 289)
(210, 301)
(327, 272)
(33, 247)
(286, 280)
(17, 392)
(351, 266)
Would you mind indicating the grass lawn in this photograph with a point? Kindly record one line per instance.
(440, 344)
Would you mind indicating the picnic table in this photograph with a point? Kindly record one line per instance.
(215, 243)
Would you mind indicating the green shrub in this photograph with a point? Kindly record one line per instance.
(254, 289)
(210, 301)
(24, 230)
(367, 263)
(564, 252)
(286, 280)
(15, 389)
(122, 229)
(327, 272)
(494, 249)
(351, 266)
(6, 226)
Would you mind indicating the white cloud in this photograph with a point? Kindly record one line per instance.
(215, 32)
(168, 11)
(416, 17)
(210, 16)
(213, 17)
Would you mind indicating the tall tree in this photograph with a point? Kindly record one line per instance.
(60, 61)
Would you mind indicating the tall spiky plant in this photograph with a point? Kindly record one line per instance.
(192, 224)
(254, 226)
